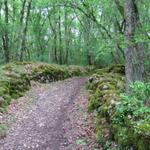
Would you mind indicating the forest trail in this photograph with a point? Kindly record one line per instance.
(50, 117)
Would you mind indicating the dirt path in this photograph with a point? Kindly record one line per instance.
(50, 117)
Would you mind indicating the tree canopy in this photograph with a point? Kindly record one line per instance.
(84, 32)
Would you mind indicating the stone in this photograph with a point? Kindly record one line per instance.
(1, 100)
(105, 87)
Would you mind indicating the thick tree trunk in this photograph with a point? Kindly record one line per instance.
(134, 56)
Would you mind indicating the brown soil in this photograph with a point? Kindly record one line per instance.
(50, 117)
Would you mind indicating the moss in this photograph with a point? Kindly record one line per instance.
(105, 92)
(112, 69)
(121, 135)
(102, 130)
(15, 78)
(99, 128)
(106, 86)
(141, 145)
(23, 63)
(76, 71)
(117, 69)
(2, 109)
(14, 88)
(101, 71)
(104, 110)
(94, 103)
(13, 68)
(99, 133)
(114, 81)
(93, 85)
(48, 73)
(143, 129)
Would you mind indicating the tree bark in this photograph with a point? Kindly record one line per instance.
(87, 39)
(60, 39)
(66, 37)
(20, 36)
(23, 41)
(134, 56)
(0, 10)
(54, 30)
(5, 37)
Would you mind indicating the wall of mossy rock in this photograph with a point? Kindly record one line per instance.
(105, 86)
(15, 78)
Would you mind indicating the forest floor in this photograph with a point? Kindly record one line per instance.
(50, 117)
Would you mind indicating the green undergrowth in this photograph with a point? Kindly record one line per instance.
(15, 78)
(3, 130)
(122, 118)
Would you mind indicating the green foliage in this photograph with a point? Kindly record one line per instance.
(81, 142)
(128, 116)
(140, 90)
(78, 30)
(3, 130)
(133, 106)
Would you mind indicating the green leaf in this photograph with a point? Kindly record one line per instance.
(81, 142)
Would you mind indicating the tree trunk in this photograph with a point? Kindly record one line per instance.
(20, 36)
(87, 39)
(5, 36)
(66, 37)
(14, 10)
(54, 29)
(23, 41)
(134, 56)
(55, 47)
(0, 9)
(60, 39)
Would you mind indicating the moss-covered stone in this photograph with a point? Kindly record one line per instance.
(15, 78)
(105, 86)
(102, 129)
(48, 73)
(94, 103)
(120, 69)
(76, 71)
